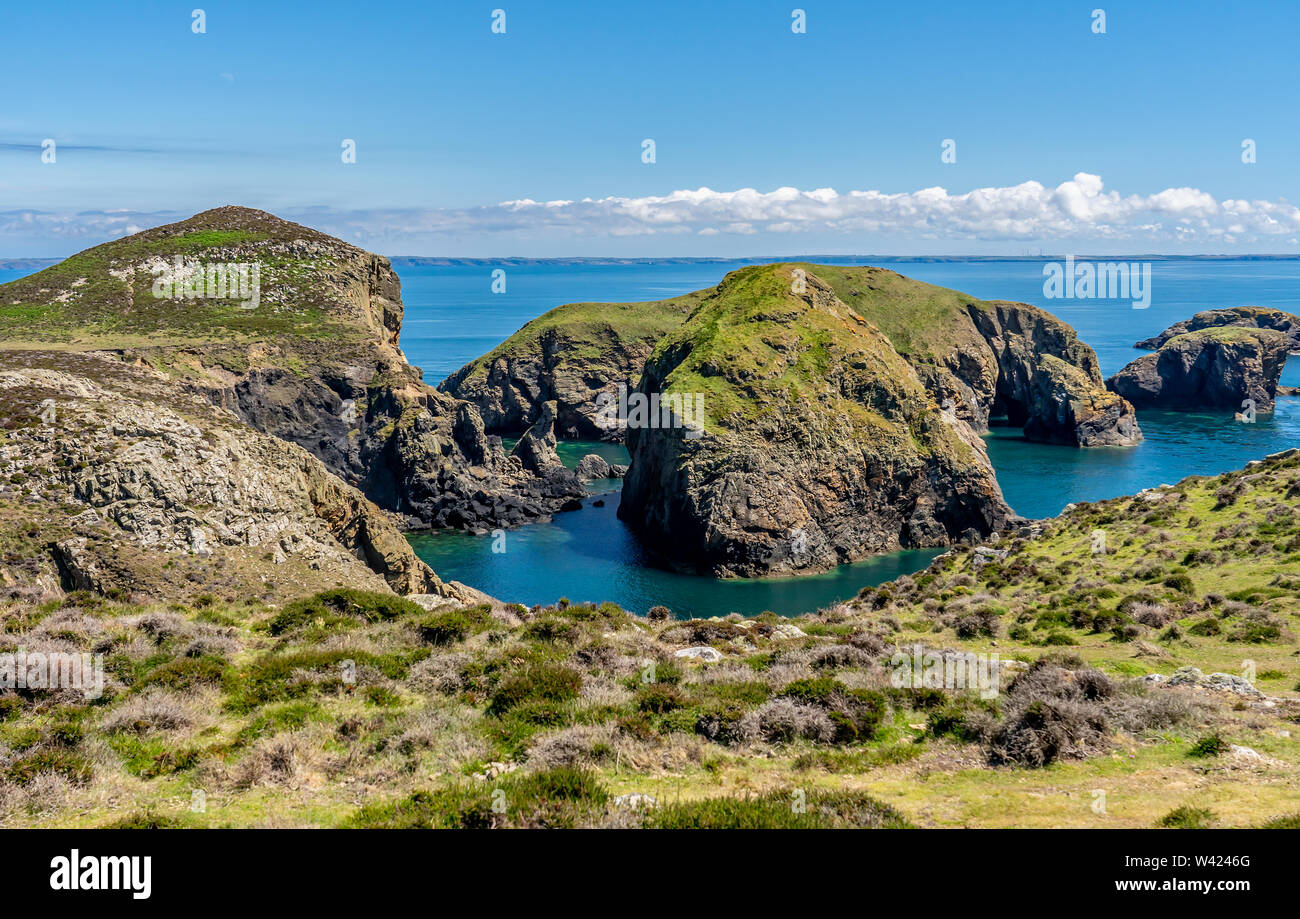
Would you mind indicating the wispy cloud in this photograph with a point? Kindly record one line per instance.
(1080, 208)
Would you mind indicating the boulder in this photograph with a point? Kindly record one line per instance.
(592, 467)
(700, 653)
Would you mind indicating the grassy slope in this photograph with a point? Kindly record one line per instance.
(587, 328)
(246, 702)
(923, 321)
(81, 302)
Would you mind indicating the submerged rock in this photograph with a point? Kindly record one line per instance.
(1208, 370)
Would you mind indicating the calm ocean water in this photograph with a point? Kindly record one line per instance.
(452, 317)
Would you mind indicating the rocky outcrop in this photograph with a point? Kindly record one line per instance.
(314, 361)
(1215, 369)
(991, 359)
(536, 448)
(1254, 317)
(592, 467)
(1066, 406)
(992, 362)
(1046, 380)
(536, 453)
(820, 442)
(571, 356)
(130, 479)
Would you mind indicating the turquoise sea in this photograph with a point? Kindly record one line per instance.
(452, 316)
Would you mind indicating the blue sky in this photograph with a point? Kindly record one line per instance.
(1128, 141)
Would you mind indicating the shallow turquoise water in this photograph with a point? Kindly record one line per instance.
(590, 555)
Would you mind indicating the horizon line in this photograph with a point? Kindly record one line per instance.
(1153, 256)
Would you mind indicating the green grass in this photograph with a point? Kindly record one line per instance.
(779, 810)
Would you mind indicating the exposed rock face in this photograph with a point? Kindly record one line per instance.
(1067, 407)
(536, 449)
(536, 452)
(134, 477)
(821, 444)
(592, 467)
(1213, 369)
(570, 356)
(1255, 317)
(315, 362)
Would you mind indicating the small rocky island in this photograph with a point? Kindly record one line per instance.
(995, 361)
(1216, 368)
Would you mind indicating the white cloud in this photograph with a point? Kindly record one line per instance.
(1080, 208)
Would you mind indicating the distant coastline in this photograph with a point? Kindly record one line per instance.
(403, 261)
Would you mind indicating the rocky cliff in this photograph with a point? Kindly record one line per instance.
(310, 355)
(998, 362)
(820, 443)
(115, 481)
(1216, 368)
(1254, 317)
(571, 355)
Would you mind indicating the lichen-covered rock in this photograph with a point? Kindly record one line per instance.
(133, 477)
(1255, 317)
(1212, 369)
(820, 444)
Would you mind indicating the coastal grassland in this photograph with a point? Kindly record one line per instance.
(922, 321)
(1227, 334)
(585, 331)
(87, 301)
(103, 297)
(348, 708)
(758, 352)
